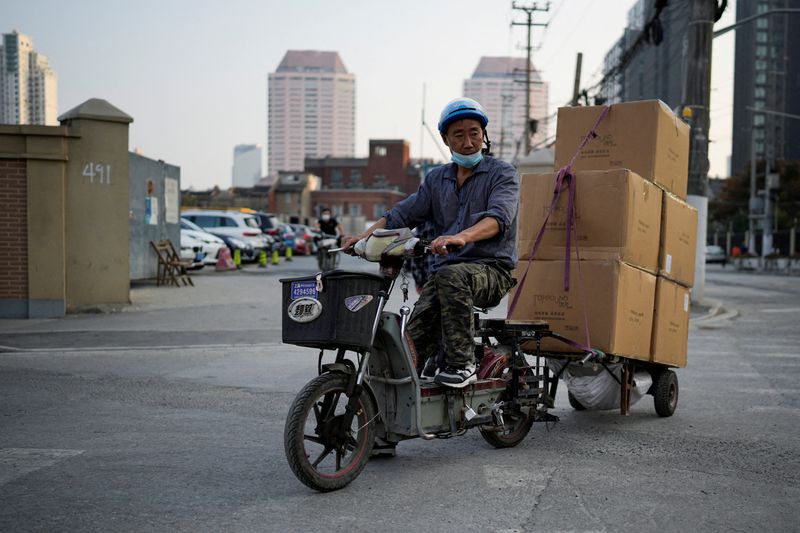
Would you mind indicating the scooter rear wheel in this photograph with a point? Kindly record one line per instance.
(515, 428)
(323, 451)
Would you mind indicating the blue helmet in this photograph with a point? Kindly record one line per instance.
(459, 109)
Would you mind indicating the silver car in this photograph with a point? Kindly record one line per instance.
(716, 254)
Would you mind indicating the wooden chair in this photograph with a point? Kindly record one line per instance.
(171, 269)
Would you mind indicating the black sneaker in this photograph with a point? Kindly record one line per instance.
(457, 376)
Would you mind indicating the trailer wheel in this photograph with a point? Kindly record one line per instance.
(573, 401)
(665, 393)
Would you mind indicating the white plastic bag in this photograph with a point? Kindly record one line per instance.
(595, 388)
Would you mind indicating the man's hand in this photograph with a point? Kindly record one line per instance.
(439, 244)
(349, 242)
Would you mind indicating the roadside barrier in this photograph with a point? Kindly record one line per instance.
(224, 260)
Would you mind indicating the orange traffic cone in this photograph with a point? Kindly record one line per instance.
(224, 260)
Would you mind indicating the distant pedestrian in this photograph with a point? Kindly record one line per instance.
(736, 251)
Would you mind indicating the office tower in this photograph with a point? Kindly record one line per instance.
(654, 70)
(766, 76)
(498, 83)
(246, 165)
(28, 86)
(311, 110)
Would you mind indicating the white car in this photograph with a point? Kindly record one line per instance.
(211, 243)
(192, 251)
(236, 224)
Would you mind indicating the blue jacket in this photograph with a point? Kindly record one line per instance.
(491, 191)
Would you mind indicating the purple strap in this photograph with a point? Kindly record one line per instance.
(565, 178)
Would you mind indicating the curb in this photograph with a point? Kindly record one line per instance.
(716, 314)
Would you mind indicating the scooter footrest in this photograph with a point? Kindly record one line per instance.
(432, 389)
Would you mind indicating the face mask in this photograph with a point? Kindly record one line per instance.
(326, 218)
(467, 161)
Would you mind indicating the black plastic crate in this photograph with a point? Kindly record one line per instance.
(349, 303)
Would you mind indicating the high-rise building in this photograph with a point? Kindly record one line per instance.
(28, 86)
(246, 165)
(655, 70)
(498, 83)
(311, 110)
(766, 76)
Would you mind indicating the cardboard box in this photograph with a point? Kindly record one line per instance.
(618, 216)
(645, 137)
(617, 300)
(678, 248)
(670, 337)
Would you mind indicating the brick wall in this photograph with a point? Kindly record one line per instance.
(13, 229)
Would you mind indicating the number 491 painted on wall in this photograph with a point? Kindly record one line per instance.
(99, 170)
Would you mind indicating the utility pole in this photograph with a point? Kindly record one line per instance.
(507, 98)
(696, 98)
(576, 89)
(529, 11)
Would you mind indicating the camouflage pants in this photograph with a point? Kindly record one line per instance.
(445, 308)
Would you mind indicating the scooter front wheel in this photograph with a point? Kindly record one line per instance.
(324, 451)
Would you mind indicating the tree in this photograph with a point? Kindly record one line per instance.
(731, 206)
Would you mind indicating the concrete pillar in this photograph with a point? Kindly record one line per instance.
(96, 206)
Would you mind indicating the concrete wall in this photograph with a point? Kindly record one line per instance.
(32, 163)
(147, 184)
(64, 222)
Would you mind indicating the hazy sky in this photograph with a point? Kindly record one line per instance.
(193, 74)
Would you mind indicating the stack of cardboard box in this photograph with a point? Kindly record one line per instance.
(635, 234)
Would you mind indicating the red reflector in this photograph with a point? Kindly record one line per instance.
(251, 233)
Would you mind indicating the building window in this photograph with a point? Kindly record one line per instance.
(336, 177)
(338, 210)
(380, 151)
(355, 177)
(758, 120)
(760, 92)
(761, 51)
(355, 210)
(380, 180)
(378, 211)
(287, 198)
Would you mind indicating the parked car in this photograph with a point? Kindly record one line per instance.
(305, 239)
(242, 226)
(716, 254)
(192, 252)
(211, 243)
(245, 248)
(266, 221)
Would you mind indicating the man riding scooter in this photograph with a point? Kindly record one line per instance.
(471, 205)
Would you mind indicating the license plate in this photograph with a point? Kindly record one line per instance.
(303, 289)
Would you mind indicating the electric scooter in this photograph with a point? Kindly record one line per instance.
(372, 389)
